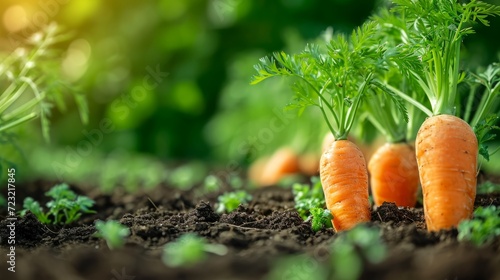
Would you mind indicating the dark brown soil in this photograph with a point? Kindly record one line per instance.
(256, 235)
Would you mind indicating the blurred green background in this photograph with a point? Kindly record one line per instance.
(169, 80)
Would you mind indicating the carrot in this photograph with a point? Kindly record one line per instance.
(345, 183)
(256, 169)
(270, 171)
(394, 175)
(446, 146)
(336, 82)
(447, 150)
(309, 164)
(393, 166)
(367, 149)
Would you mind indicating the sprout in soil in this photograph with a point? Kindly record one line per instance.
(483, 228)
(113, 232)
(228, 202)
(189, 249)
(351, 248)
(64, 208)
(310, 203)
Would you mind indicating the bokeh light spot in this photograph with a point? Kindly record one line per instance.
(15, 18)
(75, 63)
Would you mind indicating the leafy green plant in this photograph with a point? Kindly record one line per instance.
(301, 267)
(484, 133)
(310, 203)
(189, 249)
(351, 248)
(31, 85)
(211, 184)
(229, 201)
(321, 218)
(488, 187)
(113, 232)
(186, 176)
(64, 208)
(483, 228)
(307, 197)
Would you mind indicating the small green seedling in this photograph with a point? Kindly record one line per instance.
(299, 267)
(186, 176)
(347, 263)
(64, 208)
(488, 187)
(483, 228)
(211, 184)
(189, 249)
(310, 203)
(228, 202)
(113, 232)
(321, 218)
(307, 197)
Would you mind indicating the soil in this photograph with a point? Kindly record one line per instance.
(256, 234)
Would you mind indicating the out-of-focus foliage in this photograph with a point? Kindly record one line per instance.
(156, 68)
(31, 85)
(170, 78)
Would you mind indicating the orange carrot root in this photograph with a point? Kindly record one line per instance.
(309, 164)
(256, 169)
(345, 183)
(447, 150)
(282, 163)
(394, 175)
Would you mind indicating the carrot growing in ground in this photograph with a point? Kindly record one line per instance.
(269, 171)
(393, 167)
(335, 80)
(446, 146)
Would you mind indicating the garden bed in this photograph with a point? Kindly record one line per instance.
(256, 235)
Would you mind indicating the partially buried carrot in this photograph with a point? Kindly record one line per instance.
(446, 146)
(269, 171)
(309, 164)
(345, 183)
(394, 175)
(335, 82)
(447, 150)
(282, 163)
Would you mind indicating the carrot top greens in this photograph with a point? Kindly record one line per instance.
(434, 30)
(335, 78)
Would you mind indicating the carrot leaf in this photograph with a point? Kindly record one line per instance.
(488, 187)
(489, 103)
(321, 218)
(228, 202)
(434, 30)
(483, 228)
(484, 133)
(307, 197)
(334, 76)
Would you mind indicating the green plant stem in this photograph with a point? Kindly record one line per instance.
(470, 102)
(407, 98)
(18, 121)
(329, 106)
(486, 105)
